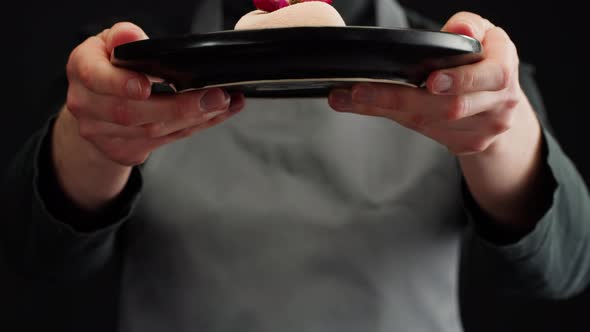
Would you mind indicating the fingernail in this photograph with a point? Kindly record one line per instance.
(342, 100)
(214, 100)
(364, 95)
(442, 83)
(134, 88)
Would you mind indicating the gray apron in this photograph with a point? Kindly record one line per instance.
(291, 217)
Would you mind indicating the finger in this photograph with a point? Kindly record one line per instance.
(470, 135)
(160, 108)
(164, 108)
(463, 143)
(235, 108)
(135, 150)
(122, 33)
(161, 129)
(203, 126)
(89, 129)
(90, 64)
(493, 122)
(210, 120)
(496, 72)
(120, 150)
(399, 103)
(93, 128)
(468, 24)
(487, 75)
(388, 100)
(156, 130)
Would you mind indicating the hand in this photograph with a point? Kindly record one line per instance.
(111, 121)
(464, 108)
(116, 112)
(480, 113)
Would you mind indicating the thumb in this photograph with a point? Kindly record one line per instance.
(468, 24)
(122, 33)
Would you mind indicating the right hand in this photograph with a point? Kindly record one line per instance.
(111, 121)
(114, 108)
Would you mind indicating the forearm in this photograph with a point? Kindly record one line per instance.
(553, 259)
(89, 179)
(43, 233)
(508, 180)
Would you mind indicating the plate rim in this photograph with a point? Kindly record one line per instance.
(157, 47)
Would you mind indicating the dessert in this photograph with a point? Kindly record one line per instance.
(272, 5)
(293, 13)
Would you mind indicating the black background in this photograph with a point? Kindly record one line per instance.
(549, 35)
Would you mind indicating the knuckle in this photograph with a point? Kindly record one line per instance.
(364, 109)
(183, 106)
(73, 104)
(70, 68)
(457, 151)
(103, 34)
(477, 145)
(73, 59)
(178, 109)
(466, 16)
(132, 161)
(139, 160)
(465, 13)
(121, 114)
(469, 80)
(505, 76)
(487, 23)
(84, 73)
(459, 14)
(459, 108)
(86, 129)
(500, 126)
(498, 31)
(401, 101)
(502, 122)
(385, 98)
(392, 99)
(416, 122)
(511, 101)
(186, 133)
(502, 33)
(513, 50)
(120, 154)
(154, 130)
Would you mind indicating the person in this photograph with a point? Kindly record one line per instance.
(206, 211)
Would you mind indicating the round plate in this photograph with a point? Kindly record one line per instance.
(297, 62)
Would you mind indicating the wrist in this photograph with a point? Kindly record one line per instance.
(86, 176)
(506, 179)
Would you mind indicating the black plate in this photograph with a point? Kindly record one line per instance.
(297, 62)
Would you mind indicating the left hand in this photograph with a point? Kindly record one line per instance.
(480, 113)
(464, 108)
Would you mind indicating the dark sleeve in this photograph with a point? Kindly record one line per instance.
(553, 260)
(46, 234)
